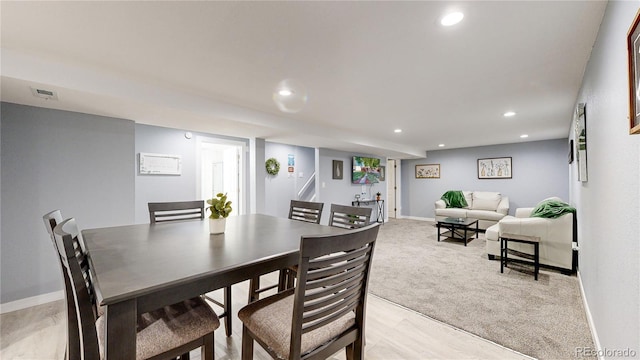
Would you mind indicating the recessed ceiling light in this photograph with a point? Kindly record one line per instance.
(440, 145)
(451, 18)
(524, 136)
(509, 114)
(397, 130)
(285, 92)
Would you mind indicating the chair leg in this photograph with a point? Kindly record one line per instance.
(73, 332)
(349, 351)
(291, 278)
(227, 310)
(247, 344)
(357, 352)
(254, 285)
(283, 278)
(206, 351)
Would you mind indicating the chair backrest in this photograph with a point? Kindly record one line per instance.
(332, 281)
(349, 217)
(175, 211)
(51, 220)
(306, 211)
(75, 261)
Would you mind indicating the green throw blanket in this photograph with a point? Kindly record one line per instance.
(552, 209)
(454, 199)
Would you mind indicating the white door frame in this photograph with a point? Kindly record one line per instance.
(395, 178)
(243, 206)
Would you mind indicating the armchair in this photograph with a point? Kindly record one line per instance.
(556, 236)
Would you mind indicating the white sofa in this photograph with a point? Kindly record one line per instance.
(487, 207)
(556, 237)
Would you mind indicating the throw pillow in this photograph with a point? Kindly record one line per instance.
(468, 196)
(483, 200)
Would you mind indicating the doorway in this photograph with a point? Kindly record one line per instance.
(391, 188)
(221, 170)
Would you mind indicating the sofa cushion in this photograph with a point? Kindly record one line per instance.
(484, 215)
(452, 212)
(483, 200)
(468, 195)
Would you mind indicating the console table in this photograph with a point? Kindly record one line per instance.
(379, 206)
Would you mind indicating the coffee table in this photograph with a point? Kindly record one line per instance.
(457, 228)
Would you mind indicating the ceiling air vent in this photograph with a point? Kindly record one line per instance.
(45, 94)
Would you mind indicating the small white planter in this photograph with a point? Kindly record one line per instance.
(216, 226)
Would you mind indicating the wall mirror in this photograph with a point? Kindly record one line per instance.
(581, 141)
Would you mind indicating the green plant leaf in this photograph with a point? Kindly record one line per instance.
(219, 206)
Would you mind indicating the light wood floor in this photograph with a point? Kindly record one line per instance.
(392, 332)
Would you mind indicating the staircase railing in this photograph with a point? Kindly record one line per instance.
(307, 188)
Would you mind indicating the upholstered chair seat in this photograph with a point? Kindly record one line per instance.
(162, 330)
(270, 320)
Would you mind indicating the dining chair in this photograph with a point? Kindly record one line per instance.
(175, 211)
(161, 334)
(327, 309)
(160, 212)
(342, 216)
(306, 211)
(72, 351)
(349, 217)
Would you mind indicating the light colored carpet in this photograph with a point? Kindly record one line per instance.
(459, 286)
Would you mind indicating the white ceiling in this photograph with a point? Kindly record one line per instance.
(366, 68)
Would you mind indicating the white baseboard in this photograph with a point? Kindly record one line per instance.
(31, 301)
(592, 327)
(416, 218)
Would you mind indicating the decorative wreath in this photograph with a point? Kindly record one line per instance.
(273, 166)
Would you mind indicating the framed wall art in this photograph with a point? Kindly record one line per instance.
(633, 49)
(428, 171)
(581, 141)
(570, 151)
(494, 168)
(337, 169)
(160, 164)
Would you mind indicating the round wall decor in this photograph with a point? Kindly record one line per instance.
(273, 166)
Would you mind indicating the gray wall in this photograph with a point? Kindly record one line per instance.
(540, 170)
(156, 188)
(342, 191)
(609, 203)
(78, 163)
(91, 163)
(282, 188)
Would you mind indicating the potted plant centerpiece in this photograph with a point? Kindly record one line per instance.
(220, 208)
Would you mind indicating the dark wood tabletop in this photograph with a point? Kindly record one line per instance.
(138, 268)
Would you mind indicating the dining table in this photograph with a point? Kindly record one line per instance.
(143, 267)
